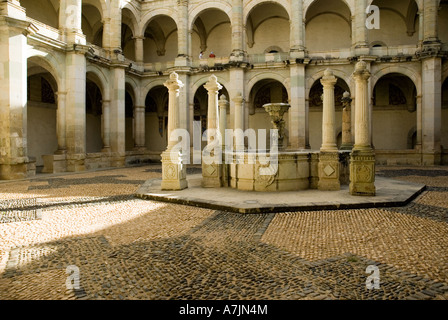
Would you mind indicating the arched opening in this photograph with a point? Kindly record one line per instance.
(127, 42)
(443, 23)
(92, 25)
(263, 92)
(399, 23)
(267, 25)
(45, 11)
(444, 139)
(156, 109)
(129, 118)
(160, 44)
(328, 26)
(394, 112)
(41, 112)
(94, 111)
(316, 109)
(212, 32)
(201, 107)
(128, 33)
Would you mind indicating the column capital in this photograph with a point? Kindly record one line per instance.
(328, 79)
(173, 84)
(223, 103)
(361, 72)
(239, 98)
(213, 84)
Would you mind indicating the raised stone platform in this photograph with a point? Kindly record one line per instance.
(390, 193)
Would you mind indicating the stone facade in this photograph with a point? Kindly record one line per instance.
(82, 81)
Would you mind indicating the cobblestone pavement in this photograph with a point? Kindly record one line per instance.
(127, 248)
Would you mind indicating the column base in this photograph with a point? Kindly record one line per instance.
(76, 162)
(17, 171)
(211, 175)
(362, 173)
(54, 163)
(174, 172)
(328, 169)
(431, 159)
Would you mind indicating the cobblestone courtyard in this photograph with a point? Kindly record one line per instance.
(128, 248)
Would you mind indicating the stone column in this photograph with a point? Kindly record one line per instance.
(223, 106)
(106, 33)
(182, 33)
(61, 123)
(237, 85)
(360, 41)
(140, 128)
(362, 161)
(76, 108)
(239, 122)
(139, 52)
(431, 110)
(174, 171)
(14, 161)
(329, 156)
(106, 126)
(297, 36)
(117, 113)
(297, 113)
(237, 31)
(115, 26)
(431, 11)
(346, 122)
(212, 172)
(70, 17)
(329, 118)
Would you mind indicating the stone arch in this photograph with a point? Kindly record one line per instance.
(267, 75)
(411, 74)
(101, 5)
(129, 17)
(418, 2)
(152, 84)
(252, 4)
(203, 80)
(337, 73)
(49, 62)
(147, 18)
(196, 11)
(100, 79)
(349, 3)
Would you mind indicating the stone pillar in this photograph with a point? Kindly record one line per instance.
(184, 115)
(14, 162)
(117, 113)
(140, 143)
(76, 108)
(174, 171)
(329, 117)
(329, 156)
(212, 172)
(432, 110)
(182, 33)
(360, 41)
(239, 122)
(106, 33)
(421, 27)
(431, 11)
(346, 122)
(237, 85)
(106, 126)
(297, 35)
(297, 113)
(237, 31)
(223, 106)
(70, 17)
(362, 161)
(139, 52)
(61, 122)
(115, 26)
